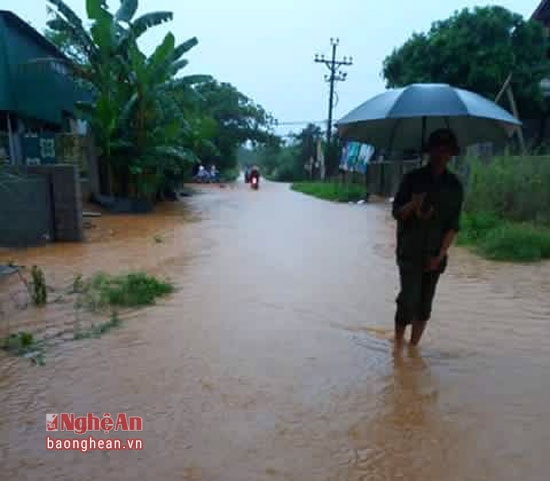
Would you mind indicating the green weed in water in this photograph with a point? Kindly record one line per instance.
(130, 290)
(20, 343)
(39, 291)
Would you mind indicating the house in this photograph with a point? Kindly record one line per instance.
(542, 13)
(37, 97)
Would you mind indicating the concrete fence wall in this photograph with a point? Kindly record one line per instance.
(40, 203)
(25, 211)
(66, 200)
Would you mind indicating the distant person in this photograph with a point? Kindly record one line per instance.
(195, 169)
(427, 209)
(213, 172)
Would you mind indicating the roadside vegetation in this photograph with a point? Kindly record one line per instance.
(96, 303)
(334, 191)
(130, 290)
(507, 208)
(152, 124)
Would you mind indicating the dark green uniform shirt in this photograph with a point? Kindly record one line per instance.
(417, 240)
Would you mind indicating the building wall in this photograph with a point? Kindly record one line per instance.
(66, 200)
(25, 211)
(41, 204)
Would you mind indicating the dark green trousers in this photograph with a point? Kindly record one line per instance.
(414, 302)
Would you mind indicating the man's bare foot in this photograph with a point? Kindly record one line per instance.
(413, 350)
(399, 337)
(398, 345)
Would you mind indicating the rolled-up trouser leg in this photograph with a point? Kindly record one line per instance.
(410, 295)
(429, 283)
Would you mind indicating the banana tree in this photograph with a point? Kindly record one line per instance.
(104, 48)
(154, 129)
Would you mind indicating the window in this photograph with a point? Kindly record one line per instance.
(47, 148)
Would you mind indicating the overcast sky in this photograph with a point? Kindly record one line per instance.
(266, 47)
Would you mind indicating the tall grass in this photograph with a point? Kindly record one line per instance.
(334, 191)
(513, 188)
(503, 240)
(507, 208)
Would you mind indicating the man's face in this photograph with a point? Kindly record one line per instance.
(441, 152)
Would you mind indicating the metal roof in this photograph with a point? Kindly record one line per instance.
(12, 19)
(542, 13)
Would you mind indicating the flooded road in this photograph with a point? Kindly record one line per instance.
(272, 360)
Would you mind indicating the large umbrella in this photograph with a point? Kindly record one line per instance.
(403, 118)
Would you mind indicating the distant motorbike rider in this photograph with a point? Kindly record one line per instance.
(255, 177)
(255, 172)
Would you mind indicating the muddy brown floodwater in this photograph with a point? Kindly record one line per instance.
(272, 360)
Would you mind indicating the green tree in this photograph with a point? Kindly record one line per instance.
(476, 50)
(237, 118)
(137, 130)
(287, 161)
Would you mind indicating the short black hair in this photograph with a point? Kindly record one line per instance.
(443, 136)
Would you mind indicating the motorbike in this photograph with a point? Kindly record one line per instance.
(255, 182)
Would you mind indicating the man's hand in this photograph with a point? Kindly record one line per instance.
(414, 207)
(433, 263)
(417, 199)
(425, 215)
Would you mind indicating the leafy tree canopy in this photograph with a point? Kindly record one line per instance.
(476, 50)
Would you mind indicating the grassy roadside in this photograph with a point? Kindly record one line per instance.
(334, 191)
(503, 240)
(507, 208)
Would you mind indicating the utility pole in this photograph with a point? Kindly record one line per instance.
(335, 75)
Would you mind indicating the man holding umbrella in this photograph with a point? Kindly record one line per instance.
(427, 208)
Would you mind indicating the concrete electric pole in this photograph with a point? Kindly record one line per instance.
(335, 75)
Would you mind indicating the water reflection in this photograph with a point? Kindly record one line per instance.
(406, 438)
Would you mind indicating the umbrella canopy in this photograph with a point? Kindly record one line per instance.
(403, 118)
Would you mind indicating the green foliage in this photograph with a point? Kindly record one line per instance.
(502, 240)
(514, 188)
(230, 175)
(507, 208)
(39, 291)
(476, 50)
(20, 343)
(130, 290)
(151, 124)
(231, 118)
(475, 227)
(516, 242)
(286, 162)
(335, 191)
(139, 137)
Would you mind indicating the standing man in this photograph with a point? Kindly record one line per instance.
(427, 209)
